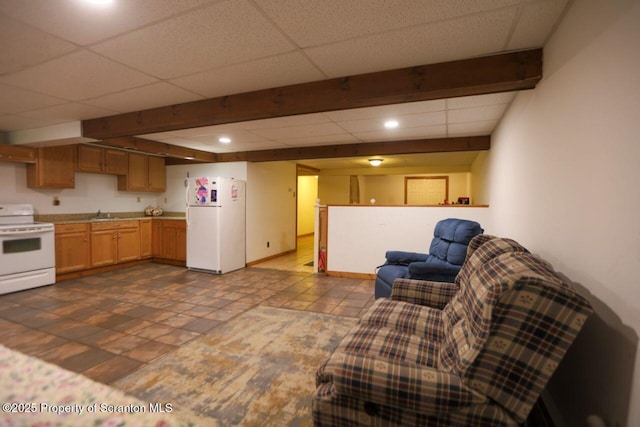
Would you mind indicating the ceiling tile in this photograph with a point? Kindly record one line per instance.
(298, 132)
(443, 41)
(480, 100)
(476, 114)
(439, 131)
(143, 97)
(236, 136)
(387, 111)
(535, 23)
(405, 121)
(284, 122)
(15, 100)
(68, 112)
(308, 141)
(329, 21)
(83, 23)
(11, 122)
(219, 35)
(23, 46)
(77, 76)
(275, 71)
(484, 127)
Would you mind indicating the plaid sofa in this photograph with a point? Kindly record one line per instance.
(477, 352)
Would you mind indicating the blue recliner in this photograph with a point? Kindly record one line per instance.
(446, 254)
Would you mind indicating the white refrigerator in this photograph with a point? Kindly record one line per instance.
(216, 224)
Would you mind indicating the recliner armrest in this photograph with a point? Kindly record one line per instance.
(404, 258)
(399, 385)
(432, 267)
(423, 292)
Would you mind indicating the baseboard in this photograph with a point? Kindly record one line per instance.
(258, 261)
(348, 275)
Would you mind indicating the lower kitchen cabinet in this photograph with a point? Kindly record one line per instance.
(114, 241)
(170, 239)
(95, 244)
(146, 238)
(72, 248)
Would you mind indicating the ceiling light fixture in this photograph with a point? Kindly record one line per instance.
(224, 139)
(375, 162)
(391, 124)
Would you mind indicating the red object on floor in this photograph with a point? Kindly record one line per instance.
(322, 260)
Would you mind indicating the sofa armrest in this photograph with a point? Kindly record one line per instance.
(404, 258)
(432, 267)
(423, 292)
(400, 385)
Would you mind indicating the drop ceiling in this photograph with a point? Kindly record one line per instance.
(69, 60)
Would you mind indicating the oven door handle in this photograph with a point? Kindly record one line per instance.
(25, 232)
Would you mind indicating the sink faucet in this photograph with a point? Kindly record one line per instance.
(98, 214)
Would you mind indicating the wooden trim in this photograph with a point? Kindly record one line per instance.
(348, 275)
(147, 146)
(435, 145)
(261, 260)
(446, 183)
(476, 76)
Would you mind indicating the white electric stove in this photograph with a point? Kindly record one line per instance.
(27, 250)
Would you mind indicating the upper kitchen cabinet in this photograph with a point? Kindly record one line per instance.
(54, 167)
(101, 160)
(145, 173)
(17, 153)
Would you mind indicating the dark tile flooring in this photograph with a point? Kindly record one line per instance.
(108, 325)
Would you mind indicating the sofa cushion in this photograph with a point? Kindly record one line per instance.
(410, 318)
(451, 237)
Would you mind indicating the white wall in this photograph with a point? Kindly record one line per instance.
(92, 192)
(359, 236)
(176, 174)
(271, 209)
(563, 177)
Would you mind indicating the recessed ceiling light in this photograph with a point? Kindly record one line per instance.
(100, 2)
(391, 124)
(224, 139)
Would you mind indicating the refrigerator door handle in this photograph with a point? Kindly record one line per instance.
(186, 201)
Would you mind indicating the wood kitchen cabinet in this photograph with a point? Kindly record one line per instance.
(170, 239)
(17, 153)
(144, 173)
(101, 160)
(146, 238)
(114, 241)
(72, 247)
(54, 167)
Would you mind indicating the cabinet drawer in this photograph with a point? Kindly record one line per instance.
(71, 228)
(113, 225)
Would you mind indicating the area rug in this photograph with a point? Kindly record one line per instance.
(255, 370)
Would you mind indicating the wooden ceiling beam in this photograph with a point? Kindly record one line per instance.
(477, 76)
(154, 147)
(436, 145)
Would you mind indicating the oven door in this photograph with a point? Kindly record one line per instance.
(26, 248)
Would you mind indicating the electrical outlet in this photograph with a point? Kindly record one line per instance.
(56, 201)
(165, 200)
(138, 199)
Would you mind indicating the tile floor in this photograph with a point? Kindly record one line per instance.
(108, 325)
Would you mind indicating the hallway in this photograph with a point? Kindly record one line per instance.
(295, 261)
